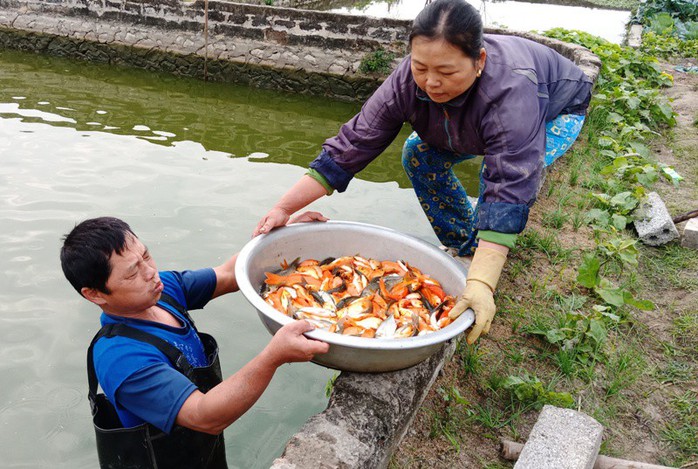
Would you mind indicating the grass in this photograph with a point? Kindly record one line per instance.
(555, 219)
(611, 377)
(681, 431)
(671, 267)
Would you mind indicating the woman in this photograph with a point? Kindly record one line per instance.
(517, 102)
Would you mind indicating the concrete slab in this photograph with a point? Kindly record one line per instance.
(561, 439)
(690, 234)
(654, 224)
(635, 36)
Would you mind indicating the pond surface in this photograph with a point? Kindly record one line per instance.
(192, 166)
(519, 16)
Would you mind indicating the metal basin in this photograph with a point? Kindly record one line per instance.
(265, 253)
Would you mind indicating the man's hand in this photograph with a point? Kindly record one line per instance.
(290, 345)
(306, 217)
(480, 298)
(213, 411)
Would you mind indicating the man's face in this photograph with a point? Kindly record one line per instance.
(134, 282)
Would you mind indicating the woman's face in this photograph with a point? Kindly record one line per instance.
(441, 69)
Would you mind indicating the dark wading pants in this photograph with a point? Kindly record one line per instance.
(145, 446)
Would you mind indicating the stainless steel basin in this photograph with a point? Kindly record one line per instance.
(265, 253)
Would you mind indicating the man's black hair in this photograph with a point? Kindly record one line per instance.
(87, 249)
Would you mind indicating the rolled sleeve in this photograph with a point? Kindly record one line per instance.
(502, 217)
(335, 176)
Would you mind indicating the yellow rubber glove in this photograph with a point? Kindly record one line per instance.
(483, 275)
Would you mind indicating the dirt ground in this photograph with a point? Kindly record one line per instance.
(636, 440)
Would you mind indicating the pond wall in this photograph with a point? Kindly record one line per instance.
(300, 51)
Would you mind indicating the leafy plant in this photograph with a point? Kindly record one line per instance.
(530, 391)
(581, 335)
(661, 23)
(378, 61)
(330, 385)
(670, 27)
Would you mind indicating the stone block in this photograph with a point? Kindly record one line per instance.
(635, 36)
(690, 234)
(654, 224)
(561, 439)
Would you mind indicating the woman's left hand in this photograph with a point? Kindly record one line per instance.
(480, 298)
(308, 216)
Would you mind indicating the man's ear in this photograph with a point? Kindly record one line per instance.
(93, 295)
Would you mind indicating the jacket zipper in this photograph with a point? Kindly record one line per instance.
(446, 122)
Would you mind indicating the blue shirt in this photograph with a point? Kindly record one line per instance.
(136, 377)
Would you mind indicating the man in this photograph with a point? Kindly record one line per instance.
(164, 403)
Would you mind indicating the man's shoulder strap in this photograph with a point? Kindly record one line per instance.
(170, 300)
(173, 354)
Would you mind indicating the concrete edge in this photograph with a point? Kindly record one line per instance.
(366, 418)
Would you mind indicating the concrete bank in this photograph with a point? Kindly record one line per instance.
(277, 48)
(300, 51)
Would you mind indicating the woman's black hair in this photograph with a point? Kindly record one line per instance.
(87, 249)
(456, 21)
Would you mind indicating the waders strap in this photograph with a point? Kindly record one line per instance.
(164, 297)
(173, 354)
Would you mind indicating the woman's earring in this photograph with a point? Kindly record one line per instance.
(479, 72)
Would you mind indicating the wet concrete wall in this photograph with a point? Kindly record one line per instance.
(280, 48)
(301, 51)
(306, 4)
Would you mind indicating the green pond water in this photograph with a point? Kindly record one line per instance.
(192, 166)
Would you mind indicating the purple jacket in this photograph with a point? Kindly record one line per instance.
(502, 116)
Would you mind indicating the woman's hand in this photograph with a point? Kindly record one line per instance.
(275, 217)
(305, 191)
(480, 298)
(308, 216)
(483, 275)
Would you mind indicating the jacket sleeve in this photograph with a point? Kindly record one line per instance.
(514, 132)
(368, 133)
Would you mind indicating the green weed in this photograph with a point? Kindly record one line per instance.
(675, 371)
(623, 369)
(547, 243)
(680, 431)
(555, 219)
(669, 266)
(450, 422)
(471, 363)
(378, 61)
(529, 391)
(330, 385)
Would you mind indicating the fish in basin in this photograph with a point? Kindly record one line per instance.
(358, 296)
